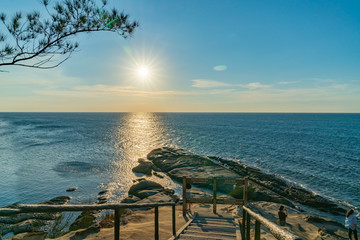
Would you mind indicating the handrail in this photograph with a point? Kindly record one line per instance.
(275, 230)
(32, 208)
(38, 208)
(214, 181)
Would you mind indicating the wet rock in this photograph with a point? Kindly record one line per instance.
(139, 180)
(159, 175)
(29, 222)
(57, 200)
(131, 199)
(101, 199)
(145, 167)
(178, 162)
(29, 236)
(84, 220)
(326, 234)
(317, 219)
(72, 189)
(145, 193)
(103, 192)
(145, 185)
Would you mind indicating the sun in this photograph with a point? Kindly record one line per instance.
(143, 72)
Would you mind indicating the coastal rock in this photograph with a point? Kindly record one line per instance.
(326, 234)
(57, 200)
(28, 222)
(145, 185)
(84, 220)
(139, 180)
(72, 189)
(28, 236)
(178, 163)
(145, 193)
(159, 175)
(132, 199)
(145, 167)
(282, 187)
(103, 192)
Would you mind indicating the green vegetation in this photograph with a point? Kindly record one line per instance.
(37, 41)
(238, 192)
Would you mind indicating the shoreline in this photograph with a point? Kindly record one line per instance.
(268, 188)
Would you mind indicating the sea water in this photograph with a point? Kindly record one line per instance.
(43, 154)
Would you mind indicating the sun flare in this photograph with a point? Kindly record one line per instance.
(143, 72)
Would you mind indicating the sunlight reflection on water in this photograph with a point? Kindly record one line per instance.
(136, 135)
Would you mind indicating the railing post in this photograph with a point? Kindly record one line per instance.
(156, 223)
(214, 195)
(184, 195)
(173, 220)
(245, 189)
(248, 218)
(257, 230)
(243, 225)
(117, 224)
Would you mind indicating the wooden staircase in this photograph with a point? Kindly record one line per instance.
(211, 226)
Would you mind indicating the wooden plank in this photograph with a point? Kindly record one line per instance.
(274, 229)
(248, 218)
(257, 230)
(214, 195)
(117, 224)
(243, 224)
(245, 193)
(218, 201)
(237, 226)
(230, 201)
(28, 208)
(199, 180)
(184, 195)
(219, 181)
(181, 230)
(174, 220)
(156, 223)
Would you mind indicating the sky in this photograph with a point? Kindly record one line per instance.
(203, 56)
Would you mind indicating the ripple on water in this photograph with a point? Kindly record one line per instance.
(78, 168)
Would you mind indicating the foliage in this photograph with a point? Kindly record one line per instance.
(42, 42)
(238, 192)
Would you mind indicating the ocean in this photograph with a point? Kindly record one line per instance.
(43, 154)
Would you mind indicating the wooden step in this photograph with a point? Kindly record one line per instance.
(213, 225)
(214, 218)
(193, 232)
(211, 229)
(212, 221)
(202, 237)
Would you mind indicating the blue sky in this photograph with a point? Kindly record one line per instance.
(280, 56)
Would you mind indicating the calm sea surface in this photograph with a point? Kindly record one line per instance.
(43, 154)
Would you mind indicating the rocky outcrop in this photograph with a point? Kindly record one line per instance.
(145, 191)
(28, 236)
(72, 189)
(145, 167)
(84, 220)
(178, 162)
(30, 222)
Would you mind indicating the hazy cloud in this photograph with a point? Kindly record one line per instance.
(255, 85)
(204, 83)
(286, 83)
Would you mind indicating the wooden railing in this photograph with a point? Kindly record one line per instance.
(274, 229)
(40, 208)
(214, 181)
